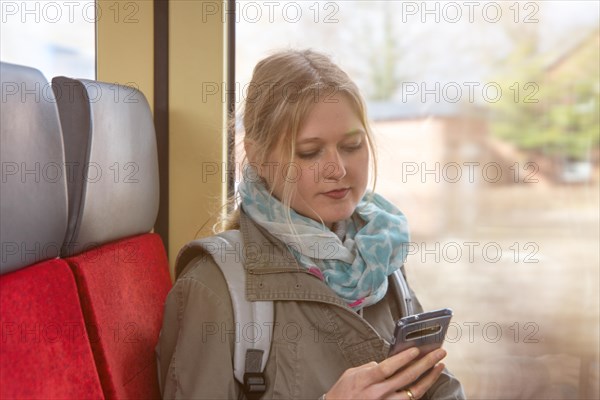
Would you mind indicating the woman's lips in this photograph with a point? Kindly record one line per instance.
(337, 194)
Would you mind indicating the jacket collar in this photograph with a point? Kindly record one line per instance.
(263, 253)
(272, 272)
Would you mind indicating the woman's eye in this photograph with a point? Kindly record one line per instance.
(353, 146)
(307, 155)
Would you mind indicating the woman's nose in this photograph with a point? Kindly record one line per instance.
(334, 168)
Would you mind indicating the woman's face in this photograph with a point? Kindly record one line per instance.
(330, 168)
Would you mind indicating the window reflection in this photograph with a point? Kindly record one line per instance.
(487, 121)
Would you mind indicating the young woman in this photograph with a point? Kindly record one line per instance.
(327, 248)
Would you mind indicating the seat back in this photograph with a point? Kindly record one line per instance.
(45, 350)
(121, 270)
(34, 202)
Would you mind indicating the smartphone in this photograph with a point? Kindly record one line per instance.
(426, 331)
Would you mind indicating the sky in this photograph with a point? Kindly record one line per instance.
(59, 38)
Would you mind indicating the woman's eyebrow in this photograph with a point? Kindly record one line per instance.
(353, 132)
(310, 140)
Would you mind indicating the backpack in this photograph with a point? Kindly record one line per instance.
(252, 352)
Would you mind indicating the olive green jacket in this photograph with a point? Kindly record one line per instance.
(316, 336)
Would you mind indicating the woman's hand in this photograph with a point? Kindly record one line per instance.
(397, 377)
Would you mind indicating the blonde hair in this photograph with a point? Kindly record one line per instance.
(283, 90)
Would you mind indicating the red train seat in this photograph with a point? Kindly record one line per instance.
(45, 350)
(120, 268)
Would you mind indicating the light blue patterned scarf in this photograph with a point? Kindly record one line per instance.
(354, 265)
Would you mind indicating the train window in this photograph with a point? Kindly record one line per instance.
(56, 37)
(486, 118)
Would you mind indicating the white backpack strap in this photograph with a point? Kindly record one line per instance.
(403, 297)
(253, 320)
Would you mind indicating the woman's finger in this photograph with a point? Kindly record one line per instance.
(407, 376)
(418, 389)
(389, 366)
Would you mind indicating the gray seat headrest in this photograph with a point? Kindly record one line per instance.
(110, 146)
(33, 194)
